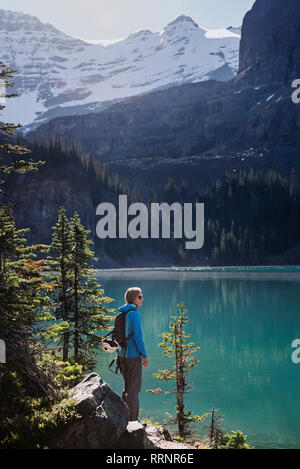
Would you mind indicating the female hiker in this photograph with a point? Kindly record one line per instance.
(133, 355)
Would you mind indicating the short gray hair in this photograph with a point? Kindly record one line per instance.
(131, 294)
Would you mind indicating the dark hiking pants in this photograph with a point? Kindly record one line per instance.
(131, 369)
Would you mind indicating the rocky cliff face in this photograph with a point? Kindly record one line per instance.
(270, 43)
(38, 196)
(208, 117)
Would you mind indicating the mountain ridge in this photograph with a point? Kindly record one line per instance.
(208, 117)
(61, 75)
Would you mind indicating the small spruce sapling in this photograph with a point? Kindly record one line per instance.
(174, 346)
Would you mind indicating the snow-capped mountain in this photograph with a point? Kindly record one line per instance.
(62, 75)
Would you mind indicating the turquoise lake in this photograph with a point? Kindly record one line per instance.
(244, 320)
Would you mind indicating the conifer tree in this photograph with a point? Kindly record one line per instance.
(174, 346)
(90, 314)
(22, 299)
(214, 427)
(78, 300)
(22, 284)
(61, 282)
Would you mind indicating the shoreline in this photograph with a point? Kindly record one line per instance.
(202, 268)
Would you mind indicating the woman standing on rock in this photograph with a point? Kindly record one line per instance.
(133, 356)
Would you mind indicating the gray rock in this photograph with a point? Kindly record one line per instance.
(104, 417)
(90, 393)
(136, 437)
(104, 421)
(156, 439)
(154, 436)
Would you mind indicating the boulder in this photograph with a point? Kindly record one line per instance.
(104, 416)
(156, 439)
(104, 422)
(135, 437)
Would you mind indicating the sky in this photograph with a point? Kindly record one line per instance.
(111, 19)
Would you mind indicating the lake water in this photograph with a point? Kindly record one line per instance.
(244, 320)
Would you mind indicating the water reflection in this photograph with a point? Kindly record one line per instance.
(245, 326)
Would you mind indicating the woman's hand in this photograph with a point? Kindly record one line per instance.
(145, 361)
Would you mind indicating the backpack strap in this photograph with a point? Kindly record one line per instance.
(127, 337)
(132, 309)
(130, 335)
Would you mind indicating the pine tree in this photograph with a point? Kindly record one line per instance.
(27, 387)
(214, 427)
(174, 346)
(61, 282)
(22, 284)
(79, 304)
(22, 300)
(90, 315)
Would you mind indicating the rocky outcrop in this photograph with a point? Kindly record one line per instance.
(104, 416)
(104, 422)
(270, 43)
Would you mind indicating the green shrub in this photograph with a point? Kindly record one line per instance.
(235, 440)
(28, 422)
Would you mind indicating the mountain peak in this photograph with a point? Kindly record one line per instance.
(17, 20)
(143, 33)
(182, 19)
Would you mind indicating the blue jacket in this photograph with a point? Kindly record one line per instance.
(135, 343)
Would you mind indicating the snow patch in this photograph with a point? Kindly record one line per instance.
(102, 42)
(22, 109)
(220, 33)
